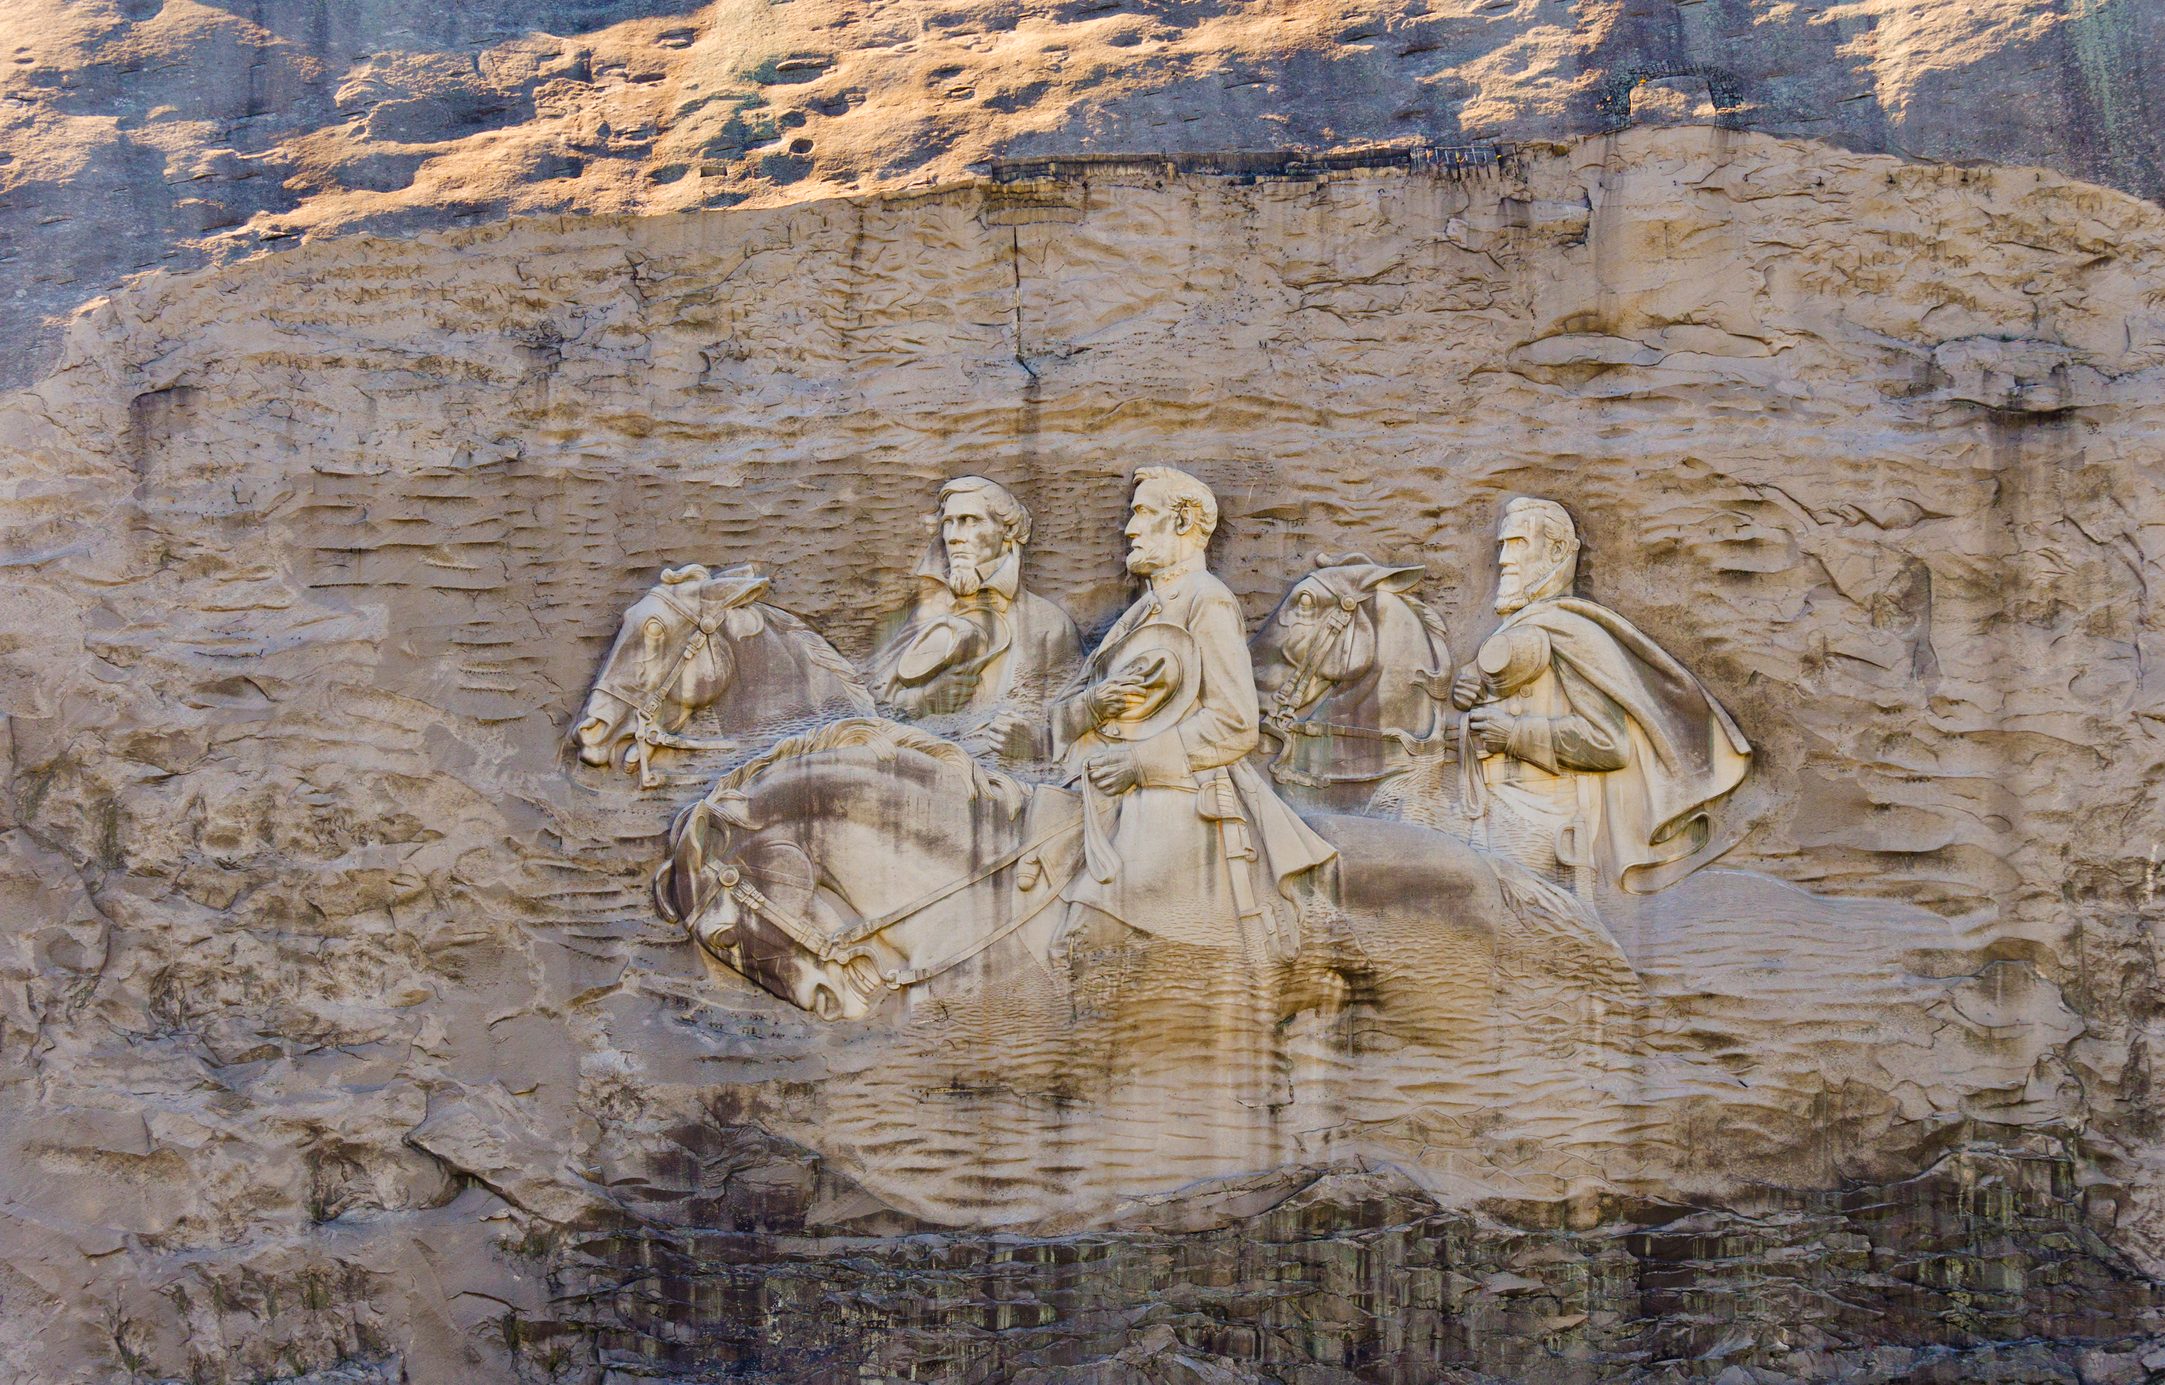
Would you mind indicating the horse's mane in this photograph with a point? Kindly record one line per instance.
(1431, 622)
(822, 655)
(887, 736)
(1422, 611)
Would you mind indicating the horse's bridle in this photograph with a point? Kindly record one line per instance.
(1283, 719)
(1284, 704)
(646, 729)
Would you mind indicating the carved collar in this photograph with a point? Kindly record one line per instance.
(1168, 579)
(1546, 599)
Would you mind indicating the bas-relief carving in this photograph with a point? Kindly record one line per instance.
(702, 642)
(1351, 667)
(1182, 837)
(384, 894)
(1326, 890)
(1590, 755)
(977, 653)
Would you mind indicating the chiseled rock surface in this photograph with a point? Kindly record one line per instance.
(154, 134)
(341, 1035)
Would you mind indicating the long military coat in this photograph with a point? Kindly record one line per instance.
(1170, 867)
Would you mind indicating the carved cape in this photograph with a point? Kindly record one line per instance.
(1686, 751)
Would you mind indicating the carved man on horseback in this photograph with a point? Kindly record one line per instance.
(1182, 837)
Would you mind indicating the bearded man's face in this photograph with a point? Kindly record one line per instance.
(974, 540)
(1526, 558)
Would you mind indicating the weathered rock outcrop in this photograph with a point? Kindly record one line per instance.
(341, 1035)
(156, 134)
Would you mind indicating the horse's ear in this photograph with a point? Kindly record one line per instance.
(690, 572)
(738, 588)
(1400, 579)
(743, 622)
(737, 593)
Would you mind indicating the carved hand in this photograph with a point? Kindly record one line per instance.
(1112, 698)
(1467, 688)
(1113, 771)
(1491, 727)
(997, 732)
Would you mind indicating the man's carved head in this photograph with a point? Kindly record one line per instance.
(980, 522)
(1171, 518)
(1537, 553)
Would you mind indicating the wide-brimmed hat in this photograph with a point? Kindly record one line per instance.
(1166, 655)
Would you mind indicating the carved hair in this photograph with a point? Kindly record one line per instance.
(1550, 520)
(1184, 492)
(1012, 514)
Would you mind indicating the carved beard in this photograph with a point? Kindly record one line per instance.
(1511, 598)
(965, 578)
(1553, 580)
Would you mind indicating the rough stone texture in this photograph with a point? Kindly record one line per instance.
(147, 134)
(341, 1037)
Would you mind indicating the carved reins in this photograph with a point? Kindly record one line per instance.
(1285, 722)
(1286, 702)
(840, 948)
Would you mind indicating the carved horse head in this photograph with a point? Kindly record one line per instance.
(1349, 667)
(860, 858)
(696, 637)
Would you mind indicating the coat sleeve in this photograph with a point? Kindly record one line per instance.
(1222, 728)
(1069, 718)
(1594, 735)
(1058, 653)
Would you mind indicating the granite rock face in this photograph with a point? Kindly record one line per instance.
(146, 134)
(342, 1036)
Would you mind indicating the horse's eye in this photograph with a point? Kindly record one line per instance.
(1305, 603)
(655, 629)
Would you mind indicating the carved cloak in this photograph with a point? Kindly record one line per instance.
(1005, 646)
(1686, 751)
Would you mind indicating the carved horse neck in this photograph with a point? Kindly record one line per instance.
(788, 670)
(702, 647)
(1350, 666)
(1410, 657)
(949, 887)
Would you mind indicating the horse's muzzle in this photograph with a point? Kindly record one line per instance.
(592, 737)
